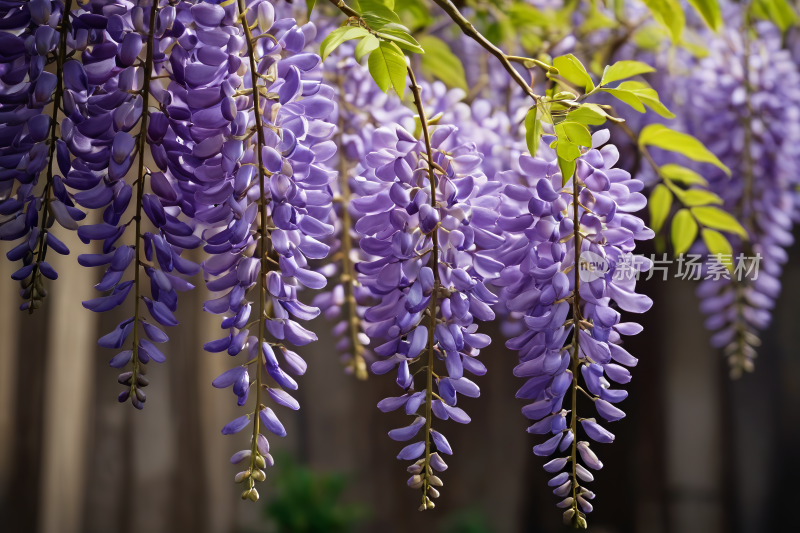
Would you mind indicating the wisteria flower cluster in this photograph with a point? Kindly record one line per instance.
(740, 100)
(361, 107)
(558, 230)
(431, 222)
(265, 200)
(33, 36)
(747, 89)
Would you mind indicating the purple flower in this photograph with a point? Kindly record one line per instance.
(361, 105)
(748, 111)
(28, 143)
(401, 227)
(249, 172)
(563, 291)
(104, 101)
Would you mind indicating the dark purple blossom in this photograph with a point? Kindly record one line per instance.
(34, 35)
(106, 95)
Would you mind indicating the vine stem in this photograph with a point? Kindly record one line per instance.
(140, 183)
(436, 282)
(344, 8)
(60, 59)
(576, 314)
(348, 277)
(470, 31)
(738, 359)
(264, 232)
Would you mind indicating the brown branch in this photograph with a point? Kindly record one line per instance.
(470, 31)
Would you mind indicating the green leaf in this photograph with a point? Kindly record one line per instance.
(567, 150)
(414, 13)
(710, 11)
(716, 218)
(432, 121)
(338, 36)
(526, 16)
(627, 97)
(589, 114)
(698, 197)
(694, 45)
(624, 69)
(684, 231)
(778, 11)
(577, 133)
(439, 62)
(394, 26)
(682, 175)
(668, 13)
(650, 37)
(403, 39)
(660, 203)
(533, 130)
(310, 7)
(662, 137)
(366, 46)
(378, 11)
(596, 20)
(647, 95)
(717, 245)
(572, 70)
(387, 64)
(567, 169)
(564, 95)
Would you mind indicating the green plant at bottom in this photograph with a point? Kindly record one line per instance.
(308, 501)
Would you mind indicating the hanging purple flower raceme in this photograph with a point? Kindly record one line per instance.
(431, 224)
(32, 34)
(544, 221)
(361, 107)
(260, 193)
(745, 106)
(106, 98)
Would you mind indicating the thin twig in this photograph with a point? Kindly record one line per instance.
(470, 31)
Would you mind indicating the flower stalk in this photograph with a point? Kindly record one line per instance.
(426, 470)
(348, 277)
(264, 237)
(137, 396)
(61, 57)
(578, 520)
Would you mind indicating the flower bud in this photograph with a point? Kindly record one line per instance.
(414, 482)
(567, 502)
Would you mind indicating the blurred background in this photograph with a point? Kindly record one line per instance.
(696, 453)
